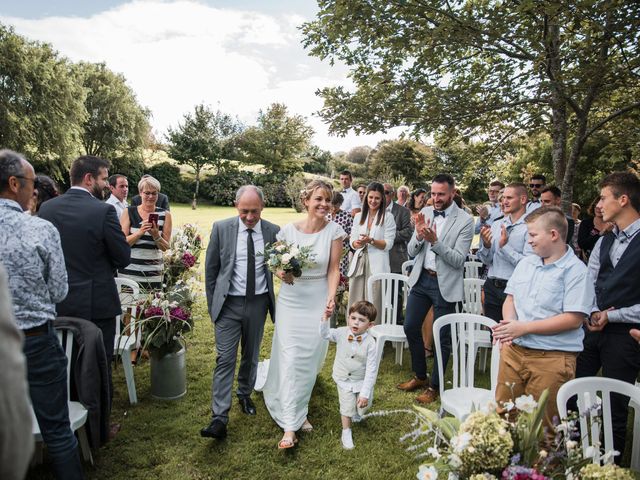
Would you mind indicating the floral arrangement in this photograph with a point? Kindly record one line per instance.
(282, 255)
(182, 255)
(487, 446)
(165, 318)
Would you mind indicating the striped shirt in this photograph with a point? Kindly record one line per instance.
(146, 258)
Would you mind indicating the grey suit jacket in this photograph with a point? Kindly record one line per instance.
(451, 251)
(398, 254)
(221, 258)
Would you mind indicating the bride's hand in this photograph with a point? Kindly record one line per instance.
(286, 277)
(329, 307)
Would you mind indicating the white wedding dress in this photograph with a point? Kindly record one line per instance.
(298, 352)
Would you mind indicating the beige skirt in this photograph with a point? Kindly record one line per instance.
(358, 284)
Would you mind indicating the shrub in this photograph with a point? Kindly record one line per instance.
(171, 181)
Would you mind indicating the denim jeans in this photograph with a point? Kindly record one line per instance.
(424, 294)
(47, 376)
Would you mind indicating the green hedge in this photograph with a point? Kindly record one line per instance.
(221, 189)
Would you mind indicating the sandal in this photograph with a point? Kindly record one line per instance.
(286, 443)
(306, 426)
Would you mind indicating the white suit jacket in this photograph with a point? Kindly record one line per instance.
(378, 259)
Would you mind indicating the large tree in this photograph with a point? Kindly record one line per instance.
(487, 69)
(402, 158)
(279, 141)
(41, 103)
(204, 138)
(116, 126)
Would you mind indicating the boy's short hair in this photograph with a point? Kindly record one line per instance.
(366, 309)
(553, 218)
(624, 183)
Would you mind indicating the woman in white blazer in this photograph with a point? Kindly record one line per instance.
(372, 236)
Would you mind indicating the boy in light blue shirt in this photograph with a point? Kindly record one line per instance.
(549, 296)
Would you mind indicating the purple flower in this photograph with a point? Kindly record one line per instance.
(515, 472)
(180, 313)
(153, 312)
(188, 260)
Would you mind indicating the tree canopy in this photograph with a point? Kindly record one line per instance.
(204, 138)
(279, 140)
(485, 70)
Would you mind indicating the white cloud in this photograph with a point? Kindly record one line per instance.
(178, 54)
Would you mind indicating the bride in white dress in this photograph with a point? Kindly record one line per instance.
(298, 351)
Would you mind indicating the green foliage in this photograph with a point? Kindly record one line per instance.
(221, 189)
(41, 104)
(171, 181)
(486, 70)
(317, 161)
(359, 154)
(117, 126)
(205, 138)
(278, 142)
(402, 157)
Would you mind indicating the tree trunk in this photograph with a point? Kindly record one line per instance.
(194, 203)
(570, 170)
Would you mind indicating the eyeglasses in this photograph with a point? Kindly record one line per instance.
(150, 194)
(36, 182)
(387, 192)
(536, 185)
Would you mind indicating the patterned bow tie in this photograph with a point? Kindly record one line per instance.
(437, 213)
(358, 339)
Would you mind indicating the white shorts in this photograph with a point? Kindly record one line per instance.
(348, 403)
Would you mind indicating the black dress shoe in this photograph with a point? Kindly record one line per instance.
(216, 429)
(247, 405)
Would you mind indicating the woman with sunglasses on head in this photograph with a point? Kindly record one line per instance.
(372, 237)
(148, 231)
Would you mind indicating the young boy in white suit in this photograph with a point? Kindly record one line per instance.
(355, 367)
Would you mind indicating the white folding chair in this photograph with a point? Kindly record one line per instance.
(592, 391)
(128, 340)
(77, 412)
(464, 398)
(472, 257)
(386, 328)
(472, 303)
(472, 269)
(406, 267)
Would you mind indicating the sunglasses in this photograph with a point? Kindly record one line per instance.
(36, 182)
(387, 192)
(536, 185)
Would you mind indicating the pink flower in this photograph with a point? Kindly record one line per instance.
(153, 312)
(188, 260)
(180, 313)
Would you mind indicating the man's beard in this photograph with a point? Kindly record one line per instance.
(98, 192)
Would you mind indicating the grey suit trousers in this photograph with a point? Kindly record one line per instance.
(239, 323)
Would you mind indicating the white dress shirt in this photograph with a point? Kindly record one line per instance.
(238, 286)
(439, 221)
(351, 200)
(120, 206)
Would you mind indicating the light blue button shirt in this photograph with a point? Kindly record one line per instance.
(502, 261)
(541, 291)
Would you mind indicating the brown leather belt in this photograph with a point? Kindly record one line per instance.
(431, 273)
(35, 331)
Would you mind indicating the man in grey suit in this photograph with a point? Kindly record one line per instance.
(239, 293)
(440, 244)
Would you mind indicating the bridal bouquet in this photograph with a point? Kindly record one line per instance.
(286, 256)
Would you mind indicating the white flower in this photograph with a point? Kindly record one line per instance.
(433, 452)
(460, 442)
(508, 406)
(164, 304)
(294, 251)
(591, 451)
(455, 461)
(543, 454)
(285, 258)
(571, 444)
(280, 248)
(526, 403)
(427, 473)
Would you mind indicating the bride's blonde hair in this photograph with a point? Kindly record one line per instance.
(312, 186)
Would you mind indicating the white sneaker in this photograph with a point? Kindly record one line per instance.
(356, 418)
(347, 440)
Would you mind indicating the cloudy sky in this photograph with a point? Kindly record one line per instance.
(239, 56)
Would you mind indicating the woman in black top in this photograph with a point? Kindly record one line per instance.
(592, 228)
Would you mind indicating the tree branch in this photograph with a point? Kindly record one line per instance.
(614, 115)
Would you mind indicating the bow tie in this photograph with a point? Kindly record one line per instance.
(437, 213)
(358, 339)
